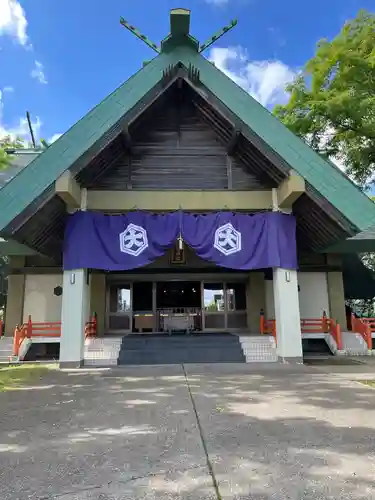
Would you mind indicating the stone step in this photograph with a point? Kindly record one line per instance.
(160, 359)
(258, 349)
(168, 352)
(6, 340)
(103, 341)
(101, 355)
(100, 362)
(354, 344)
(162, 345)
(102, 348)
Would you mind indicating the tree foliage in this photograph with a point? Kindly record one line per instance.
(8, 142)
(332, 102)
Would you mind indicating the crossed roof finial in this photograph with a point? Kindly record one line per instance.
(179, 34)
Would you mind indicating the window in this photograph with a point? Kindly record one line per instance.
(213, 297)
(120, 299)
(236, 296)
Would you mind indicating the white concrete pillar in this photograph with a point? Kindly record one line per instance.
(75, 304)
(287, 315)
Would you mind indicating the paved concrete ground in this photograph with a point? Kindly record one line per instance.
(145, 433)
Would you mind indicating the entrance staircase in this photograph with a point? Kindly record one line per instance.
(6, 349)
(161, 349)
(102, 351)
(258, 348)
(354, 344)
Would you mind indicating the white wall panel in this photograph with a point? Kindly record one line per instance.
(313, 295)
(40, 301)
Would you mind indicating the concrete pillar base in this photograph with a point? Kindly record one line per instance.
(70, 364)
(287, 315)
(75, 313)
(288, 361)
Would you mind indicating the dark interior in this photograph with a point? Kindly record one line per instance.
(171, 294)
(47, 351)
(142, 296)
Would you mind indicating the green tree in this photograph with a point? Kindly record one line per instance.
(332, 102)
(7, 142)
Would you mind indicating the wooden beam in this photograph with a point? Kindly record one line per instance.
(232, 145)
(13, 248)
(180, 22)
(120, 201)
(67, 188)
(207, 96)
(290, 190)
(126, 140)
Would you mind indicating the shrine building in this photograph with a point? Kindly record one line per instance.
(180, 210)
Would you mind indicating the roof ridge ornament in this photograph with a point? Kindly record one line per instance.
(217, 35)
(139, 35)
(179, 33)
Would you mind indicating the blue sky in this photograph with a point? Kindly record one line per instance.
(59, 59)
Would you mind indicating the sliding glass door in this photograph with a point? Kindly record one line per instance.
(139, 306)
(119, 307)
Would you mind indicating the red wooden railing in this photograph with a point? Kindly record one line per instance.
(335, 331)
(308, 325)
(365, 327)
(46, 330)
(20, 333)
(315, 325)
(91, 327)
(370, 322)
(267, 326)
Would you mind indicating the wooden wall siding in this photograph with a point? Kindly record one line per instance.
(116, 177)
(179, 151)
(242, 180)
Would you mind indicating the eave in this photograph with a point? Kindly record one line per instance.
(10, 248)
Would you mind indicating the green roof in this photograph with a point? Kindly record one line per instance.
(33, 180)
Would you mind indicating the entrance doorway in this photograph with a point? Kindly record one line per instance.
(179, 305)
(147, 306)
(178, 294)
(143, 308)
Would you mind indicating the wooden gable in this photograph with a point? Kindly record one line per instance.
(173, 147)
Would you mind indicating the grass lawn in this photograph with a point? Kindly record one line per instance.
(370, 383)
(13, 377)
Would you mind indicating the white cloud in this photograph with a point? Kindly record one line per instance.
(8, 89)
(20, 128)
(38, 72)
(54, 138)
(13, 21)
(264, 80)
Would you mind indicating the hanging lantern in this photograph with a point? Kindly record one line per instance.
(180, 242)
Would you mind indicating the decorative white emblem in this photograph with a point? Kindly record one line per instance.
(227, 239)
(133, 240)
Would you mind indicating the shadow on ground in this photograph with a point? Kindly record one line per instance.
(133, 433)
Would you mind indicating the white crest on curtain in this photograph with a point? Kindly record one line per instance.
(133, 240)
(227, 239)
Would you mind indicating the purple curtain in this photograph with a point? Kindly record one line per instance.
(239, 241)
(235, 241)
(117, 242)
